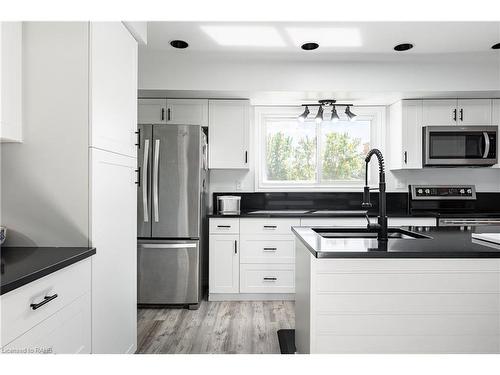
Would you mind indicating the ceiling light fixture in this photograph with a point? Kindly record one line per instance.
(325, 103)
(326, 36)
(180, 44)
(309, 46)
(495, 46)
(349, 114)
(244, 36)
(335, 116)
(403, 47)
(319, 116)
(303, 116)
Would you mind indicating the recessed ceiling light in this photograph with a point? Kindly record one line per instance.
(245, 36)
(403, 47)
(495, 46)
(326, 36)
(309, 46)
(179, 44)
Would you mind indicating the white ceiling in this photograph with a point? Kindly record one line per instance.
(376, 38)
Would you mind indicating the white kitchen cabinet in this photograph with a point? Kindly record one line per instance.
(405, 135)
(11, 82)
(224, 263)
(62, 325)
(152, 111)
(114, 267)
(228, 134)
(463, 112)
(113, 79)
(90, 191)
(187, 111)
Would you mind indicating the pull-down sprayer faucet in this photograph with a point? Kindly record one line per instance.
(381, 226)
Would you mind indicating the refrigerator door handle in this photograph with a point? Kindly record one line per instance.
(145, 163)
(155, 180)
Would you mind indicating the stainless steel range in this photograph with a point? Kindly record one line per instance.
(454, 205)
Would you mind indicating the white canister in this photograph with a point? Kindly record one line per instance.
(228, 204)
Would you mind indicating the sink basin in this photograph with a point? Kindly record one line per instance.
(394, 233)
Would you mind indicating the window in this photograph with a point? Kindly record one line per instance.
(300, 156)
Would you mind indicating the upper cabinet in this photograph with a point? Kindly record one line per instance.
(228, 135)
(463, 112)
(11, 82)
(152, 111)
(187, 111)
(173, 111)
(405, 132)
(113, 67)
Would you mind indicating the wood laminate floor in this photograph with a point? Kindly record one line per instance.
(216, 327)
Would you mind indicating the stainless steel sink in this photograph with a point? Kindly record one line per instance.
(394, 233)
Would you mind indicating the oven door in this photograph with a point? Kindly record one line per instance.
(460, 145)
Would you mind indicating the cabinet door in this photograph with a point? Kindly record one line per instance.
(113, 77)
(440, 112)
(114, 267)
(152, 111)
(11, 82)
(474, 112)
(65, 332)
(228, 134)
(224, 263)
(412, 134)
(187, 111)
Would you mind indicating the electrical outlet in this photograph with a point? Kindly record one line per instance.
(238, 185)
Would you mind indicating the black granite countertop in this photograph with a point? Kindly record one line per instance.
(22, 265)
(443, 242)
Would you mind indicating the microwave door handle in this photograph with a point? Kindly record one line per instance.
(486, 145)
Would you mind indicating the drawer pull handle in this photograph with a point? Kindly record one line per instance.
(269, 226)
(223, 226)
(46, 299)
(270, 249)
(270, 278)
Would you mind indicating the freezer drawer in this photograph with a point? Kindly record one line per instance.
(168, 272)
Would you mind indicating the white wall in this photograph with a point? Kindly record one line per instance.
(163, 70)
(44, 180)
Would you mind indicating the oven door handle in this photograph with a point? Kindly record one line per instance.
(486, 145)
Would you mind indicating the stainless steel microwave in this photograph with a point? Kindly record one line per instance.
(449, 146)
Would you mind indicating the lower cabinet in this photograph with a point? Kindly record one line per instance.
(224, 263)
(267, 278)
(62, 325)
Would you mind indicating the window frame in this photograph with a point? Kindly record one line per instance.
(375, 114)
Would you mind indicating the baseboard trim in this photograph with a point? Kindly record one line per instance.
(251, 296)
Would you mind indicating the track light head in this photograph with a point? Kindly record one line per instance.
(335, 115)
(349, 114)
(304, 115)
(319, 116)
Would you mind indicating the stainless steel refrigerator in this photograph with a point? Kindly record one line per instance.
(171, 209)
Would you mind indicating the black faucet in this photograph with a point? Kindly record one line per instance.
(381, 226)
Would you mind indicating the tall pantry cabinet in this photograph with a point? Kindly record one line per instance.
(72, 181)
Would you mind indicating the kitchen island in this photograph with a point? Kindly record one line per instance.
(437, 293)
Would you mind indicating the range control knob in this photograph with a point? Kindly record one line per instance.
(462, 191)
(420, 191)
(469, 191)
(427, 191)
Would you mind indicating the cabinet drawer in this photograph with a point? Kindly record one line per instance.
(271, 278)
(65, 332)
(273, 249)
(17, 314)
(268, 226)
(229, 225)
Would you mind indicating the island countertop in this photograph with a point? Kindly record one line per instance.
(443, 242)
(22, 265)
